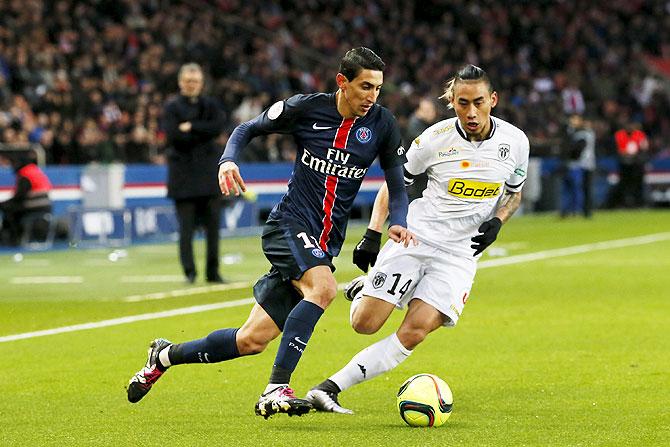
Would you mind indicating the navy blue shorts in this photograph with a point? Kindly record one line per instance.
(292, 250)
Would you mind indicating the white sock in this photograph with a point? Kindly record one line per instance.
(372, 361)
(164, 357)
(354, 304)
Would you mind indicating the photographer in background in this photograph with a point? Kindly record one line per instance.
(31, 197)
(633, 150)
(580, 159)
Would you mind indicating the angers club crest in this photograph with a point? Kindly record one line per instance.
(378, 280)
(503, 151)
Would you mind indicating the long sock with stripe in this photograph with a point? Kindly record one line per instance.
(216, 347)
(297, 332)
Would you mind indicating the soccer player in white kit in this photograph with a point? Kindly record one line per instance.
(476, 166)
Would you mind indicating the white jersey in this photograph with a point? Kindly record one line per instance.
(466, 180)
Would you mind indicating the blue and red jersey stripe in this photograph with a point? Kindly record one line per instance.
(339, 142)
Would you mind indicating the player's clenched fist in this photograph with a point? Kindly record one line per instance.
(230, 179)
(366, 251)
(488, 233)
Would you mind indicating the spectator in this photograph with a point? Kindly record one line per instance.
(423, 117)
(555, 58)
(572, 178)
(584, 136)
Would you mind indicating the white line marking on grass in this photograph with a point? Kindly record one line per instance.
(528, 257)
(130, 319)
(47, 280)
(186, 292)
(29, 262)
(577, 249)
(104, 263)
(152, 278)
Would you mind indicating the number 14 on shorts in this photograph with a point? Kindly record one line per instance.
(380, 279)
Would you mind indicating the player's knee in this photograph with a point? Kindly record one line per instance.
(410, 337)
(364, 324)
(324, 294)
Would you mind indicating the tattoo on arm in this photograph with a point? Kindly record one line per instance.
(508, 205)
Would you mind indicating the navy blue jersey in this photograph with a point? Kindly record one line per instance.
(333, 156)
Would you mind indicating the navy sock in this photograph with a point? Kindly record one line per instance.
(297, 332)
(216, 347)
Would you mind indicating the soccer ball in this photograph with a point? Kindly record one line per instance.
(425, 400)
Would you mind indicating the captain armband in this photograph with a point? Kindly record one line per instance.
(407, 177)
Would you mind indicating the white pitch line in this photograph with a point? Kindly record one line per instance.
(186, 292)
(577, 249)
(47, 280)
(130, 319)
(29, 262)
(529, 257)
(152, 278)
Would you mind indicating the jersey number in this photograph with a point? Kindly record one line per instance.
(305, 239)
(403, 289)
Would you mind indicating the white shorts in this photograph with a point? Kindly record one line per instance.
(440, 279)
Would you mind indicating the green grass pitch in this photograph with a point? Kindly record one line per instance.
(565, 348)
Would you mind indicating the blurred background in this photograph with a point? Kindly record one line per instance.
(83, 84)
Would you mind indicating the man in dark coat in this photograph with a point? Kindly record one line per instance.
(192, 122)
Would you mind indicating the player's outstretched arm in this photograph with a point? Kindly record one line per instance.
(367, 249)
(398, 203)
(380, 209)
(400, 234)
(230, 179)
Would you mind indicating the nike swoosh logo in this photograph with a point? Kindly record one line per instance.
(300, 341)
(315, 127)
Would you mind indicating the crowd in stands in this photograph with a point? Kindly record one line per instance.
(88, 79)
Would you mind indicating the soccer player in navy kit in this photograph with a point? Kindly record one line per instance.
(338, 136)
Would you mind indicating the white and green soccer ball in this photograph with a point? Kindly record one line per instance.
(425, 400)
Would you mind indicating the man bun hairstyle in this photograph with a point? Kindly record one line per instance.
(467, 73)
(358, 59)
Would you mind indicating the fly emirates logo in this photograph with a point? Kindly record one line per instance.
(333, 165)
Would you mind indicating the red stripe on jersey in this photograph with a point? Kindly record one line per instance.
(328, 202)
(340, 142)
(342, 134)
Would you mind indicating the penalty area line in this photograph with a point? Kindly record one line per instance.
(517, 259)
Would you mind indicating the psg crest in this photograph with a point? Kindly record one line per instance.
(503, 151)
(379, 280)
(363, 134)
